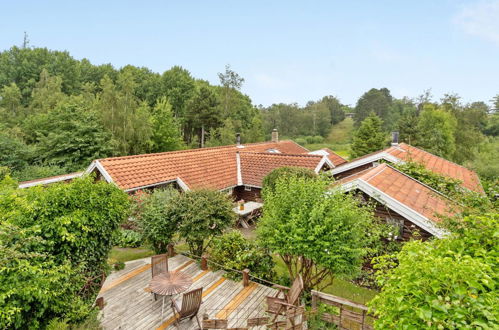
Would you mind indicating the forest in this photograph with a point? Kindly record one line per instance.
(59, 113)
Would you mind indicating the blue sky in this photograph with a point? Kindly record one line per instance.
(288, 51)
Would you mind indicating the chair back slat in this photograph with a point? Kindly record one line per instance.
(159, 264)
(191, 301)
(295, 291)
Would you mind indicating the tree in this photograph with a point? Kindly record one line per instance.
(71, 136)
(155, 219)
(201, 215)
(449, 283)
(10, 101)
(270, 180)
(165, 129)
(76, 219)
(231, 82)
(436, 131)
(203, 113)
(47, 93)
(318, 235)
(375, 100)
(408, 127)
(224, 135)
(369, 137)
(13, 153)
(335, 108)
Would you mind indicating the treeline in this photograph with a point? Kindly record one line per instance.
(59, 113)
(463, 133)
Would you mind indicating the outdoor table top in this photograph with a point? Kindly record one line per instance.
(170, 283)
(248, 208)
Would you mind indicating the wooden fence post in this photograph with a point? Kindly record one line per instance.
(204, 262)
(100, 302)
(171, 250)
(246, 277)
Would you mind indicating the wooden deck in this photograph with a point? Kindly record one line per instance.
(128, 303)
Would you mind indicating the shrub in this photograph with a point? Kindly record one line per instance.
(128, 238)
(309, 139)
(233, 250)
(156, 223)
(318, 139)
(443, 284)
(201, 215)
(77, 220)
(269, 181)
(35, 287)
(300, 141)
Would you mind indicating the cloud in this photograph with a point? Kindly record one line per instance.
(480, 19)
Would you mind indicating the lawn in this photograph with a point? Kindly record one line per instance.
(338, 140)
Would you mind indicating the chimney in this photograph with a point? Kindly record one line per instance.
(395, 138)
(275, 135)
(238, 139)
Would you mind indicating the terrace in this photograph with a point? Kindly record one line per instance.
(129, 304)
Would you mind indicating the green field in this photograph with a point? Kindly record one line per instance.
(338, 139)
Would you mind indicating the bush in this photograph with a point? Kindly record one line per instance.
(234, 251)
(35, 287)
(128, 238)
(157, 226)
(269, 181)
(300, 141)
(201, 215)
(318, 139)
(443, 284)
(309, 139)
(77, 220)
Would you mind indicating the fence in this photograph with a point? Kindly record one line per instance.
(351, 315)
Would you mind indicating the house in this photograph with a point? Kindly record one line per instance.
(401, 200)
(236, 169)
(399, 153)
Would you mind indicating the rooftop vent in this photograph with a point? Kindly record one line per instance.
(395, 138)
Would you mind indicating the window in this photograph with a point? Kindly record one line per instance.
(246, 188)
(398, 224)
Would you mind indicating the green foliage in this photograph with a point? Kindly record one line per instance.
(436, 131)
(34, 286)
(377, 101)
(77, 221)
(70, 136)
(317, 234)
(270, 180)
(369, 137)
(13, 153)
(201, 215)
(32, 172)
(166, 131)
(443, 284)
(233, 251)
(127, 238)
(156, 221)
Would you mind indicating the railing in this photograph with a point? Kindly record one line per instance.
(351, 315)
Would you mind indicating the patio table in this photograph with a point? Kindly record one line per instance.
(170, 283)
(249, 208)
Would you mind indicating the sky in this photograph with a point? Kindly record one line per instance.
(287, 51)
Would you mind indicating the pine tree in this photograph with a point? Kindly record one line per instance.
(166, 130)
(369, 137)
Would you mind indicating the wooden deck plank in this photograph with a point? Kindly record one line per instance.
(129, 306)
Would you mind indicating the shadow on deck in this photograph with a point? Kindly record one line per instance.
(128, 303)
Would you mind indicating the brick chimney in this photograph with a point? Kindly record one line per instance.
(275, 135)
(395, 138)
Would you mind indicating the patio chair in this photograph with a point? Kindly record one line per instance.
(159, 264)
(291, 297)
(191, 302)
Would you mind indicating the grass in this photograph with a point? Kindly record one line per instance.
(127, 254)
(338, 139)
(340, 287)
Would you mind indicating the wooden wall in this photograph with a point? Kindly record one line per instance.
(240, 193)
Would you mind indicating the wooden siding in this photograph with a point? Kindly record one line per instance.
(248, 196)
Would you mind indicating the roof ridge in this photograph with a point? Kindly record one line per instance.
(196, 150)
(380, 169)
(277, 154)
(450, 161)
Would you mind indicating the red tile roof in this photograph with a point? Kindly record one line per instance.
(406, 190)
(198, 168)
(405, 152)
(256, 165)
(331, 155)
